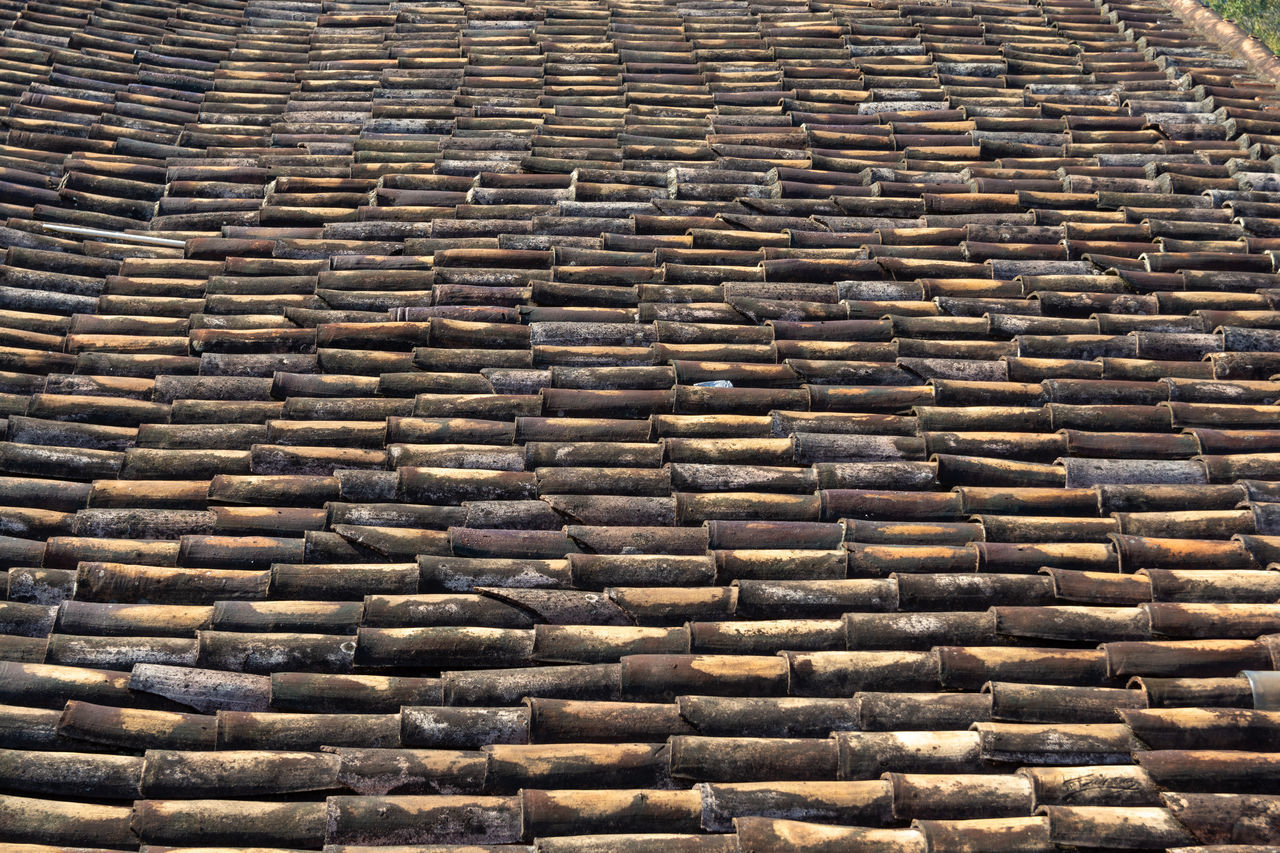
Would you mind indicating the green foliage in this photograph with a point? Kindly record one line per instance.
(1259, 17)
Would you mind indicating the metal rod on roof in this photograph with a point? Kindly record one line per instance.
(118, 235)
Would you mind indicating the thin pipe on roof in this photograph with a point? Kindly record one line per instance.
(117, 235)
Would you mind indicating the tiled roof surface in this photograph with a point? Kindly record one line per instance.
(695, 426)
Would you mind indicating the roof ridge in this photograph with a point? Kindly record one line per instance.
(1230, 35)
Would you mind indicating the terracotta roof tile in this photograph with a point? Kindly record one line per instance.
(708, 427)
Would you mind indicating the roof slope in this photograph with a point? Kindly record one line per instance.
(704, 426)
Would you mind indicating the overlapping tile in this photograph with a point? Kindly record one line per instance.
(631, 425)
